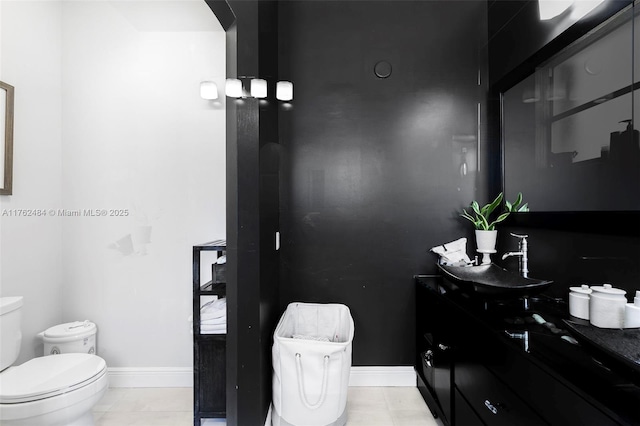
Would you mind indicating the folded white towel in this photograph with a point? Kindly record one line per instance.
(213, 316)
(453, 253)
(214, 305)
(214, 309)
(214, 321)
(213, 329)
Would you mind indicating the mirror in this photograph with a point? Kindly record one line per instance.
(6, 129)
(568, 134)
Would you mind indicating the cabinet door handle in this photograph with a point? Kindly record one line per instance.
(490, 406)
(443, 347)
(428, 358)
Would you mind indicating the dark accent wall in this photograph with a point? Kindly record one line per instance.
(252, 209)
(370, 166)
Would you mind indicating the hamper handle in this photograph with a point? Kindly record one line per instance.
(323, 391)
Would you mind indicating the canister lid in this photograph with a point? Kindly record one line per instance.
(583, 289)
(608, 289)
(71, 329)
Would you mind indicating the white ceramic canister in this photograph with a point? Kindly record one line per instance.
(579, 301)
(632, 313)
(606, 306)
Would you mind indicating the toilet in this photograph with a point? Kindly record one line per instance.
(57, 390)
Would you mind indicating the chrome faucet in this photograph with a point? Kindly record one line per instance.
(523, 262)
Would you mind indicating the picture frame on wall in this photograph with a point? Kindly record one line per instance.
(6, 147)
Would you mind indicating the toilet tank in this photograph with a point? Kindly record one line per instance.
(10, 330)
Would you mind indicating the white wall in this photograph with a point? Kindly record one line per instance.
(31, 256)
(136, 137)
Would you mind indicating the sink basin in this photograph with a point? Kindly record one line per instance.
(493, 280)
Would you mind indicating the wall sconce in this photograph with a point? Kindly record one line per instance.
(284, 90)
(233, 88)
(258, 88)
(208, 90)
(549, 9)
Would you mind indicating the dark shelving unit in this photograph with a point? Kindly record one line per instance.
(209, 350)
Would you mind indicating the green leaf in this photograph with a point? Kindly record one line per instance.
(483, 223)
(488, 209)
(524, 208)
(476, 207)
(508, 206)
(500, 218)
(467, 216)
(518, 200)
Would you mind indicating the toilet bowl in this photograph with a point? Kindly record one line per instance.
(57, 390)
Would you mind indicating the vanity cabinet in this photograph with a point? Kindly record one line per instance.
(209, 350)
(505, 369)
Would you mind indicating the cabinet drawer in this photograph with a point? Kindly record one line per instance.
(548, 396)
(464, 414)
(492, 400)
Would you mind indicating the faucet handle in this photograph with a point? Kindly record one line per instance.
(519, 236)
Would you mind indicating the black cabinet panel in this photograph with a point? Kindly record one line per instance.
(494, 402)
(211, 376)
(534, 384)
(437, 372)
(465, 416)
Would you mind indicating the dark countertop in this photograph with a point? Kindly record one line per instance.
(596, 373)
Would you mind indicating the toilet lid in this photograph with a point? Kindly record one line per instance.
(48, 376)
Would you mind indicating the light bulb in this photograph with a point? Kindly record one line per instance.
(208, 90)
(258, 88)
(233, 88)
(284, 90)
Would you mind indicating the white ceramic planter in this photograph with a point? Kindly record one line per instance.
(486, 240)
(607, 306)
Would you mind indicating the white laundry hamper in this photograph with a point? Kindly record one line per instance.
(311, 352)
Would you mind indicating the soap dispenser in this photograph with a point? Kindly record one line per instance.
(626, 144)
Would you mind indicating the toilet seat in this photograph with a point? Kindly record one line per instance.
(49, 376)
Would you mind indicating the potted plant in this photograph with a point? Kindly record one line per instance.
(485, 227)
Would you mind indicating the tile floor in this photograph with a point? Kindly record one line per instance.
(368, 406)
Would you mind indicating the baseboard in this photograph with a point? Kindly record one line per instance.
(150, 377)
(174, 377)
(383, 376)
